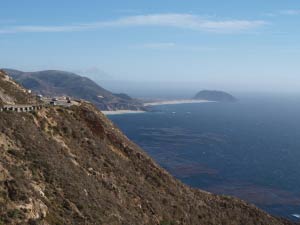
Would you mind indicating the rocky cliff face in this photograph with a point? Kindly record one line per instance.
(73, 166)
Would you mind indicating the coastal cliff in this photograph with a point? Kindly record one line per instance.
(72, 165)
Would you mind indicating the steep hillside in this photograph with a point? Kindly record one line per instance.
(73, 166)
(12, 93)
(55, 83)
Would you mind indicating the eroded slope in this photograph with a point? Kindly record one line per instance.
(12, 93)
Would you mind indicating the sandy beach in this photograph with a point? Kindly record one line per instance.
(169, 102)
(175, 102)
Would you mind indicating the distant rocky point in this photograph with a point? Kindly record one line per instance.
(219, 96)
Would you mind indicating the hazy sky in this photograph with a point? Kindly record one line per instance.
(237, 44)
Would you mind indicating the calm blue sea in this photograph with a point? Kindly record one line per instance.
(249, 149)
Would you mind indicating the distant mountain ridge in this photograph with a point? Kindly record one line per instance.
(212, 95)
(56, 83)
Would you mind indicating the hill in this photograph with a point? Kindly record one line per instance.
(219, 96)
(57, 83)
(12, 93)
(71, 165)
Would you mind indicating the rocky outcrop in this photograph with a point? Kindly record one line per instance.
(219, 96)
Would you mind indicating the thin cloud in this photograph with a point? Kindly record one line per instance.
(158, 45)
(128, 11)
(42, 29)
(290, 12)
(182, 21)
(7, 21)
(269, 14)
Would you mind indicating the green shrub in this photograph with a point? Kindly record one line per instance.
(15, 213)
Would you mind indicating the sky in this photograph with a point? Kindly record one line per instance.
(250, 45)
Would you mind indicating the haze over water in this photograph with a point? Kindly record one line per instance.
(249, 149)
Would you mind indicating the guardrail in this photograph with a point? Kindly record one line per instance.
(21, 108)
(34, 107)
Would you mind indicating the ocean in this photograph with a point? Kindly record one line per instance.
(249, 149)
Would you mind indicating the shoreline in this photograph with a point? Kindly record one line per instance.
(176, 102)
(157, 103)
(119, 112)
